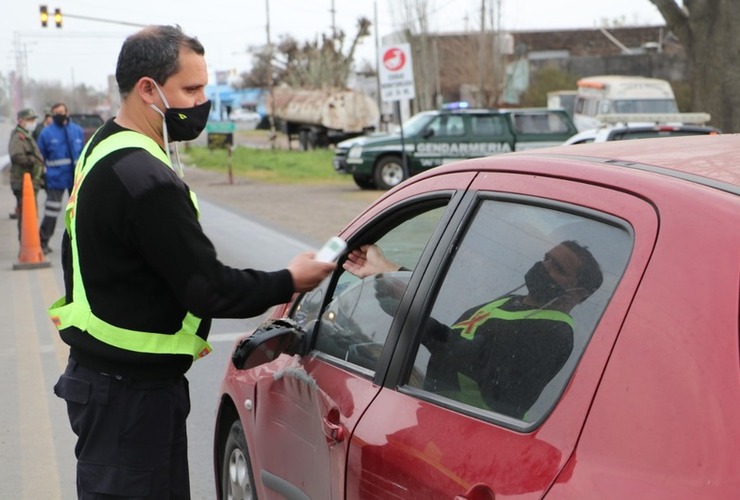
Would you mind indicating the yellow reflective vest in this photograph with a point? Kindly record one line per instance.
(78, 313)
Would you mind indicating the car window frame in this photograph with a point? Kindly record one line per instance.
(394, 214)
(407, 345)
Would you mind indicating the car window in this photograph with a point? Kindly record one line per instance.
(355, 321)
(487, 125)
(539, 123)
(447, 125)
(501, 336)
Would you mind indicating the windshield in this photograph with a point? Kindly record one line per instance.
(416, 123)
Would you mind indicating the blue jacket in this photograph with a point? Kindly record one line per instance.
(61, 147)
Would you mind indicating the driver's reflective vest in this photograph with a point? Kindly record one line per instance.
(493, 310)
(78, 312)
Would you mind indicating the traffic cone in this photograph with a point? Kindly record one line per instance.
(30, 255)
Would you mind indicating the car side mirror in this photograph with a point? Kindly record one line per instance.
(428, 133)
(268, 341)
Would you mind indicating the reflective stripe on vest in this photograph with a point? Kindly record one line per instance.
(78, 313)
(494, 311)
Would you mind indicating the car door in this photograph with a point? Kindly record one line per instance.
(440, 142)
(541, 128)
(306, 409)
(415, 441)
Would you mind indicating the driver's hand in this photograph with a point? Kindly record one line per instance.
(368, 260)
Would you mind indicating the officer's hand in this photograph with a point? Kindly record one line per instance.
(307, 273)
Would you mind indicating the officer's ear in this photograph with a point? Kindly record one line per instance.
(147, 90)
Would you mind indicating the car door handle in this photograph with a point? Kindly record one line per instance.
(478, 491)
(333, 429)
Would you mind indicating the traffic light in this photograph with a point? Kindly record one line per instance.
(44, 15)
(58, 17)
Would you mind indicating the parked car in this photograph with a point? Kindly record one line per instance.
(432, 138)
(249, 118)
(660, 126)
(90, 122)
(492, 357)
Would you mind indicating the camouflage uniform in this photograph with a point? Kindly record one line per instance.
(24, 157)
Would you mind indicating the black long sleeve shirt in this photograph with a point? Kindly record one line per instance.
(145, 262)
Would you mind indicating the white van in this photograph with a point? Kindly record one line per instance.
(614, 94)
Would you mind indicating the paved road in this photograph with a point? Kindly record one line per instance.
(36, 444)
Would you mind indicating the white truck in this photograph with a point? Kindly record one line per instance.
(599, 96)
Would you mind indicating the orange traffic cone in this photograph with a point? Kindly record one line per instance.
(30, 256)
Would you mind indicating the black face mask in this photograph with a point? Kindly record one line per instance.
(184, 124)
(59, 119)
(540, 284)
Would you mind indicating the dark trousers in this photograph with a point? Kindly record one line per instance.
(52, 209)
(132, 437)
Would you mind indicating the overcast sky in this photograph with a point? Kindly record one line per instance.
(86, 50)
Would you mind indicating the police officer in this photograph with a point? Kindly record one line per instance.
(142, 280)
(502, 354)
(25, 157)
(60, 143)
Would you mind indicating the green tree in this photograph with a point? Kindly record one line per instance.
(710, 35)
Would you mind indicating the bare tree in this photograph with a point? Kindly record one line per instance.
(710, 34)
(317, 64)
(413, 16)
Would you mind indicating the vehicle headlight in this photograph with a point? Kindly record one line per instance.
(355, 151)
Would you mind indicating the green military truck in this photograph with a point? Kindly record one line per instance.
(432, 138)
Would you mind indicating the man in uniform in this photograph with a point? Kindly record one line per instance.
(25, 157)
(500, 355)
(60, 143)
(142, 280)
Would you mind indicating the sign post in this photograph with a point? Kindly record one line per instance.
(396, 83)
(221, 136)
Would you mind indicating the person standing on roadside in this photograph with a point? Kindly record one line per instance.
(143, 281)
(60, 143)
(25, 157)
(47, 120)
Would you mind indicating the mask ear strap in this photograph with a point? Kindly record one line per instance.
(165, 134)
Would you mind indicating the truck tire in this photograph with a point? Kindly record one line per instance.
(363, 182)
(388, 172)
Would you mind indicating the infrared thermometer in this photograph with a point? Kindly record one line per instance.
(331, 250)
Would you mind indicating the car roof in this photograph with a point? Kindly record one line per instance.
(710, 160)
(603, 133)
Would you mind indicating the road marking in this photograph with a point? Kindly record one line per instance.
(38, 466)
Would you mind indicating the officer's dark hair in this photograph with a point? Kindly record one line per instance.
(590, 277)
(154, 52)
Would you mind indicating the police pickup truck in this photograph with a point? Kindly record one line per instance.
(431, 138)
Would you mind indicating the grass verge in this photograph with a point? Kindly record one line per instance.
(271, 165)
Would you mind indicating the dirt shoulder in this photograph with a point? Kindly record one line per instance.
(312, 213)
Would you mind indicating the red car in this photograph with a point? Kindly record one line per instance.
(561, 323)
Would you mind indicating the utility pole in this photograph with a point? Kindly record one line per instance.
(377, 63)
(482, 55)
(270, 82)
(333, 21)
